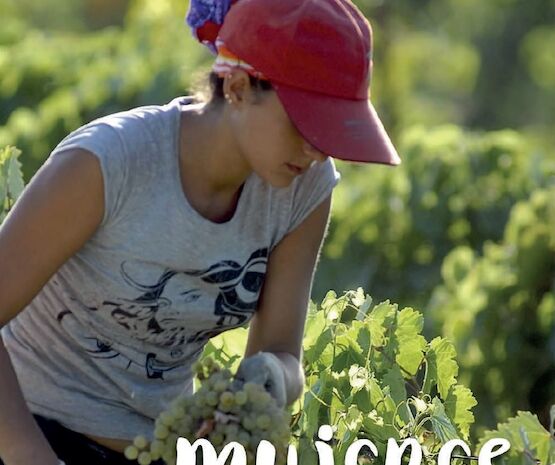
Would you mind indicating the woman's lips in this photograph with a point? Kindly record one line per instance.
(295, 169)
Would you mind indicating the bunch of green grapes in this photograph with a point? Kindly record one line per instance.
(220, 413)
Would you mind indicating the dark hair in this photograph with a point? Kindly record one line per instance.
(213, 91)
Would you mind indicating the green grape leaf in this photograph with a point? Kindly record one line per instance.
(315, 325)
(307, 453)
(375, 391)
(348, 430)
(363, 400)
(411, 345)
(363, 337)
(441, 424)
(540, 442)
(313, 354)
(376, 321)
(376, 429)
(529, 454)
(394, 380)
(311, 407)
(396, 383)
(442, 366)
(458, 404)
(14, 175)
(347, 351)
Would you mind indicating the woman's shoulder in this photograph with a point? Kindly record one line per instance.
(138, 124)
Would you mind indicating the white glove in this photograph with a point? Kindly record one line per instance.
(266, 369)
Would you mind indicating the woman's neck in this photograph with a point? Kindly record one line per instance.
(209, 154)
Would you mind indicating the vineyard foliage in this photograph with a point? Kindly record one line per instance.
(372, 375)
(413, 234)
(48, 88)
(394, 227)
(11, 179)
(499, 309)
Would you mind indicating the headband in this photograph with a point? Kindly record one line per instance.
(205, 18)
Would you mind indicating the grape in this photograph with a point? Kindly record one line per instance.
(227, 398)
(169, 456)
(212, 399)
(179, 412)
(216, 438)
(131, 452)
(206, 412)
(231, 429)
(241, 398)
(161, 431)
(156, 449)
(144, 458)
(140, 442)
(167, 419)
(244, 438)
(221, 385)
(248, 423)
(228, 411)
(263, 421)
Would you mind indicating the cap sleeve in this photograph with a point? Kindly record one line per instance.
(313, 187)
(104, 141)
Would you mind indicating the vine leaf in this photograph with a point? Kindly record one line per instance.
(411, 344)
(524, 425)
(11, 179)
(442, 366)
(441, 425)
(376, 322)
(458, 405)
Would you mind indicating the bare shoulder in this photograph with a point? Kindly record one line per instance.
(58, 211)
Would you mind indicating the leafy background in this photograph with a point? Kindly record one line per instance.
(463, 230)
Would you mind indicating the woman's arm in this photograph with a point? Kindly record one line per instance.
(58, 211)
(278, 324)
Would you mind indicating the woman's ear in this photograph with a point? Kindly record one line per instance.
(237, 87)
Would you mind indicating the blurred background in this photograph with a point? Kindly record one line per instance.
(463, 230)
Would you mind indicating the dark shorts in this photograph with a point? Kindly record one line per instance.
(76, 449)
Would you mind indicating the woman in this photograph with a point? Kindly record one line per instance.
(149, 231)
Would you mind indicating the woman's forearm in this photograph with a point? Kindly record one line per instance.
(21, 439)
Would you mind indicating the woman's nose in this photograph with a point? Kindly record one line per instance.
(313, 152)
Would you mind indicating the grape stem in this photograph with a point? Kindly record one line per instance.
(225, 418)
(205, 428)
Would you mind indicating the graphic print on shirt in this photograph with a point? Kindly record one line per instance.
(156, 314)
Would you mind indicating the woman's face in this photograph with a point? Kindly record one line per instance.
(266, 136)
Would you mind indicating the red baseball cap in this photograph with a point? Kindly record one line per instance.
(318, 56)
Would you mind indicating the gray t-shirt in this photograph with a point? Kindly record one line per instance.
(111, 337)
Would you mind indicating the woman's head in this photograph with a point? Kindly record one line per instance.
(317, 54)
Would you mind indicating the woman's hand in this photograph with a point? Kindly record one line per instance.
(266, 369)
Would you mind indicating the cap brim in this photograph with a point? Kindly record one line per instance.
(345, 129)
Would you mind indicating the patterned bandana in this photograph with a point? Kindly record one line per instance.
(205, 18)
